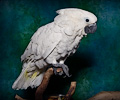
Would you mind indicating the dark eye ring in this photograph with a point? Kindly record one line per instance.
(87, 20)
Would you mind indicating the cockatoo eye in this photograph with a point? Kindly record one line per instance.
(87, 20)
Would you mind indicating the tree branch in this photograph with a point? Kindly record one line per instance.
(106, 95)
(18, 97)
(40, 90)
(70, 91)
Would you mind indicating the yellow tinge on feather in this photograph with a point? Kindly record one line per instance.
(33, 76)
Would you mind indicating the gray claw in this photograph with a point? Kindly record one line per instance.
(64, 67)
(60, 73)
(66, 70)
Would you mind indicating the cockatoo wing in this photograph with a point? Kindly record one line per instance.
(43, 42)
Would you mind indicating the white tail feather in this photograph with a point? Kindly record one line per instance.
(24, 81)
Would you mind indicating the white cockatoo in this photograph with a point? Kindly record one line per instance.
(52, 44)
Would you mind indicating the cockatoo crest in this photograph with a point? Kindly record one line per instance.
(74, 17)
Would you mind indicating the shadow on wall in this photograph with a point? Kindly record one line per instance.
(76, 64)
(79, 62)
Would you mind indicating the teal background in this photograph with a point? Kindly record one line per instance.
(96, 64)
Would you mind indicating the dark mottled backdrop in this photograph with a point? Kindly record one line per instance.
(96, 64)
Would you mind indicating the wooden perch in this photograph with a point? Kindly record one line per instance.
(106, 95)
(40, 90)
(18, 98)
(112, 95)
(71, 91)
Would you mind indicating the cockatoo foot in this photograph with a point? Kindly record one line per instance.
(64, 67)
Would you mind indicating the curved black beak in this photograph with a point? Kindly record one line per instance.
(90, 28)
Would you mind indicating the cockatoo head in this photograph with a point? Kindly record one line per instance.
(81, 19)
